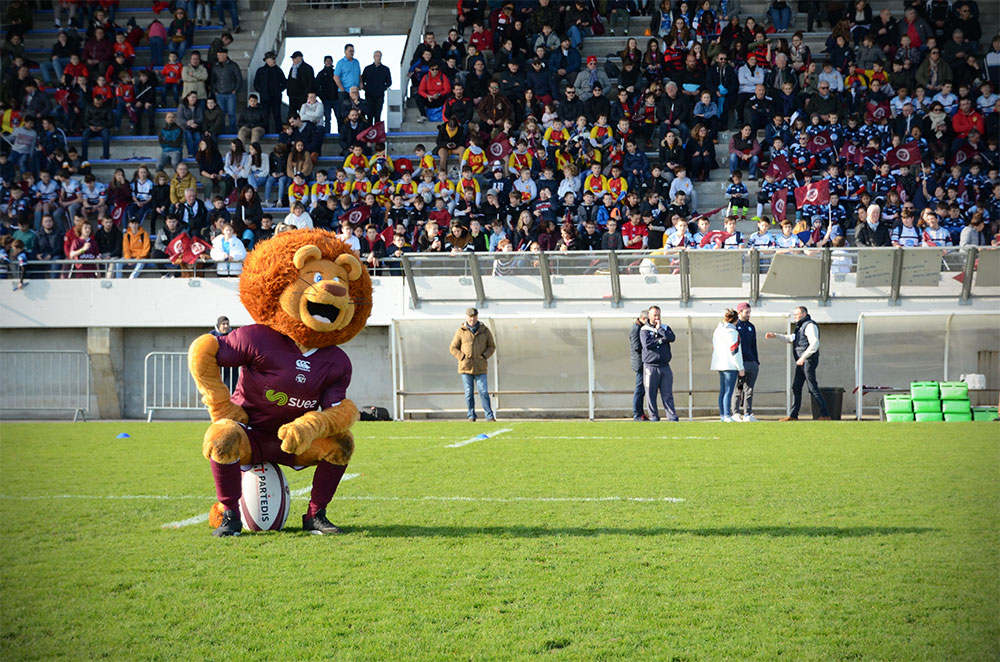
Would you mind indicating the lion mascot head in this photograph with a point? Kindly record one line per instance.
(307, 285)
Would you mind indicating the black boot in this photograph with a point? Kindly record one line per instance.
(231, 525)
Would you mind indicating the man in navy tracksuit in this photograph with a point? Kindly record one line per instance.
(657, 375)
(751, 366)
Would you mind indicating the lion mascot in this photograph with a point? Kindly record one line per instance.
(307, 294)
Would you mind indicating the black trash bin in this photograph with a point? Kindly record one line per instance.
(834, 398)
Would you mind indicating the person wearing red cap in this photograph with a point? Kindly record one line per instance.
(590, 76)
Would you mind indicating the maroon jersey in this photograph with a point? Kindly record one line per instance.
(278, 383)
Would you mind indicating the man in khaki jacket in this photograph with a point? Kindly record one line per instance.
(473, 345)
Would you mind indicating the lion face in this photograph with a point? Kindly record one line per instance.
(321, 297)
(307, 285)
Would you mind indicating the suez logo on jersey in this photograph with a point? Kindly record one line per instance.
(281, 399)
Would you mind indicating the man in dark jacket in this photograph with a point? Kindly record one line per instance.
(720, 76)
(98, 121)
(109, 246)
(743, 394)
(376, 79)
(326, 90)
(805, 348)
(225, 81)
(655, 339)
(459, 106)
(873, 233)
(171, 143)
(570, 107)
(301, 81)
(635, 355)
(252, 122)
(269, 82)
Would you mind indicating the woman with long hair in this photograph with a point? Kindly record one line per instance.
(259, 166)
(119, 194)
(727, 359)
(84, 248)
(210, 165)
(299, 160)
(248, 212)
(700, 153)
(236, 165)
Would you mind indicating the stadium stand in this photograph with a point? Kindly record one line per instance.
(562, 126)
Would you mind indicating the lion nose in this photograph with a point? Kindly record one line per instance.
(336, 289)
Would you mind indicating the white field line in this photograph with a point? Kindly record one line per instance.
(203, 517)
(517, 499)
(602, 437)
(479, 437)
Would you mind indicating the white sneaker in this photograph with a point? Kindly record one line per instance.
(737, 418)
(749, 418)
(727, 419)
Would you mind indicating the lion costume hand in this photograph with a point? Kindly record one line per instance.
(297, 436)
(214, 393)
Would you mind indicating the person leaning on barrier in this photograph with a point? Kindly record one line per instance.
(635, 355)
(655, 338)
(805, 348)
(473, 345)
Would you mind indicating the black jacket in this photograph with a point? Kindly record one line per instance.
(865, 236)
(375, 80)
(635, 346)
(326, 87)
(269, 83)
(99, 117)
(253, 117)
(304, 83)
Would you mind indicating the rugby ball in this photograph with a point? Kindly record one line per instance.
(266, 498)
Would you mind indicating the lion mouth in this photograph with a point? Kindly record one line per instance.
(322, 312)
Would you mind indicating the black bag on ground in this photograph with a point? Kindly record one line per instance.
(372, 413)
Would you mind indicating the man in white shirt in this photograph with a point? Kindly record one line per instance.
(805, 348)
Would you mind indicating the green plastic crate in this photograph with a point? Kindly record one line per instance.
(899, 417)
(954, 391)
(926, 405)
(897, 404)
(958, 418)
(984, 413)
(924, 391)
(955, 406)
(929, 417)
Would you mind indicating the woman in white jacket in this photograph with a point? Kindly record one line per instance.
(228, 252)
(236, 165)
(727, 358)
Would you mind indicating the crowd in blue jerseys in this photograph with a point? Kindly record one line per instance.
(539, 148)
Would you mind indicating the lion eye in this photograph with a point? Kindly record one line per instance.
(317, 277)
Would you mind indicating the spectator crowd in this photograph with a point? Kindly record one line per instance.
(886, 135)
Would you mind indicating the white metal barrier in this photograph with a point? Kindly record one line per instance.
(35, 380)
(573, 366)
(168, 385)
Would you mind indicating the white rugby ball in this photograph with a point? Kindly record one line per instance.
(266, 498)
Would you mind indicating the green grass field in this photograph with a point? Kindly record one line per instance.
(836, 541)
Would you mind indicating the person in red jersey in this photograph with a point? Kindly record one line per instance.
(308, 294)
